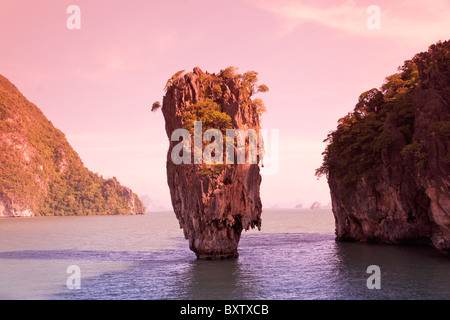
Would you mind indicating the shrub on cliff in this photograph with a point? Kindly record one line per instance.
(384, 119)
(209, 113)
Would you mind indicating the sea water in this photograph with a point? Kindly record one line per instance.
(293, 257)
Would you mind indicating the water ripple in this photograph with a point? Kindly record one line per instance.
(270, 266)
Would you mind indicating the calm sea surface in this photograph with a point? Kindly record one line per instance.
(294, 256)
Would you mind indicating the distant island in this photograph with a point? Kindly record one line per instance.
(388, 161)
(40, 173)
(316, 205)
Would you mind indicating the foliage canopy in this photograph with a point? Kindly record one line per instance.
(382, 119)
(41, 171)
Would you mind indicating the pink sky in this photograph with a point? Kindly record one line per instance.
(97, 84)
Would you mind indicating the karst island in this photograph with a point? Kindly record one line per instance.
(214, 156)
(42, 175)
(388, 161)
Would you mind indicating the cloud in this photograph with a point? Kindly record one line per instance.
(345, 16)
(411, 20)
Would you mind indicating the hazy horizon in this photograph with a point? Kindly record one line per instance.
(97, 84)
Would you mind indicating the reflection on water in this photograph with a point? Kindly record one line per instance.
(270, 266)
(406, 272)
(212, 280)
(147, 258)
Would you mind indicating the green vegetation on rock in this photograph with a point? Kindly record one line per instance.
(384, 120)
(40, 172)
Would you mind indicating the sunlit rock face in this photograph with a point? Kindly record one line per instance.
(213, 203)
(409, 202)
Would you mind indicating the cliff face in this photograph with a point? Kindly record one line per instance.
(40, 173)
(432, 130)
(388, 163)
(212, 202)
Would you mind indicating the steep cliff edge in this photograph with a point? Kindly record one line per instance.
(40, 173)
(213, 202)
(388, 162)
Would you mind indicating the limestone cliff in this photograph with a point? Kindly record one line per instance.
(388, 162)
(40, 173)
(213, 202)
